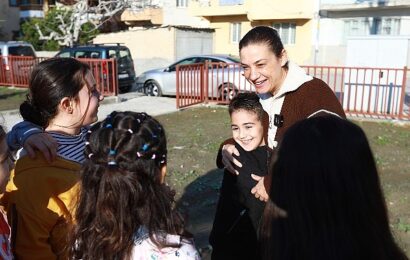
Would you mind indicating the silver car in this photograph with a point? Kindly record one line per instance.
(224, 77)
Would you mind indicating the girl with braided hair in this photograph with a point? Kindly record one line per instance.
(124, 209)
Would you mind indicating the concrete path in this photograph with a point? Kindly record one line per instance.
(129, 101)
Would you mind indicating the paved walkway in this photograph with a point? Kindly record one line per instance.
(129, 101)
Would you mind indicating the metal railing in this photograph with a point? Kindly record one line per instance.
(16, 70)
(363, 92)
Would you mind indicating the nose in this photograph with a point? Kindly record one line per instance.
(242, 134)
(254, 75)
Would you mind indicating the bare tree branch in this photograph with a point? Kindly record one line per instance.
(82, 13)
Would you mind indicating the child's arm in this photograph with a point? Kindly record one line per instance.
(32, 137)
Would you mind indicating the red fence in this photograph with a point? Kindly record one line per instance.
(364, 92)
(16, 70)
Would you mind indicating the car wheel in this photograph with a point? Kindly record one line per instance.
(152, 88)
(227, 91)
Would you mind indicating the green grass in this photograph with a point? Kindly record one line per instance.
(11, 98)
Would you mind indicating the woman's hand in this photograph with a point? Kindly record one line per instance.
(259, 190)
(228, 150)
(42, 142)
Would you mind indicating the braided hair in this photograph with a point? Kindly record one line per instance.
(121, 188)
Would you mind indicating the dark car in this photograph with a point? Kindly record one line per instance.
(125, 64)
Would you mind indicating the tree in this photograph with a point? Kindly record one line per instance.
(86, 18)
(51, 23)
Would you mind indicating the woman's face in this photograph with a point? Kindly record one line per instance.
(88, 101)
(262, 68)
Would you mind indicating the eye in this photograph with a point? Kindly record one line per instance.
(234, 128)
(260, 65)
(248, 127)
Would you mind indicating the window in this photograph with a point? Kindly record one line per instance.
(13, 3)
(372, 26)
(230, 2)
(182, 3)
(287, 32)
(235, 32)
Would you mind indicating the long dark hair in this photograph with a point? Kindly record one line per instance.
(51, 81)
(326, 180)
(121, 188)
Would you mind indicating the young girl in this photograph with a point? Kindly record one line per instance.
(125, 209)
(63, 100)
(6, 165)
(325, 181)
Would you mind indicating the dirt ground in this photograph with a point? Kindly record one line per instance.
(195, 134)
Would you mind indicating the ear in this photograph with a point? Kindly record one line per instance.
(284, 58)
(66, 105)
(163, 172)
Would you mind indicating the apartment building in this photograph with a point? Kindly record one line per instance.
(231, 19)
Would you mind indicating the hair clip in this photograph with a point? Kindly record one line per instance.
(90, 155)
(112, 152)
(112, 163)
(108, 126)
(145, 147)
(153, 156)
(130, 131)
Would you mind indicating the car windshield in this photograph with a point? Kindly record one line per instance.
(21, 51)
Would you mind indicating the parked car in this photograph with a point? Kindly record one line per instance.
(224, 77)
(125, 64)
(20, 65)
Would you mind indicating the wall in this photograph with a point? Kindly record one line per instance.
(9, 20)
(150, 48)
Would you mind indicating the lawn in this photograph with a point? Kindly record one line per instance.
(11, 98)
(194, 136)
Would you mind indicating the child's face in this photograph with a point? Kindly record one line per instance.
(89, 99)
(6, 165)
(247, 129)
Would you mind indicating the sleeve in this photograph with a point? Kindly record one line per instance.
(187, 251)
(19, 134)
(320, 99)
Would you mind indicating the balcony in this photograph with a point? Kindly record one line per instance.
(152, 16)
(256, 10)
(375, 8)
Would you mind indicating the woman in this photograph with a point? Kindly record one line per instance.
(286, 93)
(63, 101)
(325, 181)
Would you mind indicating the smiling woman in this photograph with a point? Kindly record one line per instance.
(285, 91)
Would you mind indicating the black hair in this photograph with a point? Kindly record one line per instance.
(121, 188)
(51, 81)
(248, 101)
(263, 35)
(326, 180)
(2, 133)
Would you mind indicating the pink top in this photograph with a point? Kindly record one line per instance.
(5, 249)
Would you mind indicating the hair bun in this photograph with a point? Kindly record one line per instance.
(30, 113)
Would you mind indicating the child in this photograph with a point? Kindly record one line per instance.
(234, 232)
(125, 208)
(6, 165)
(325, 179)
(62, 100)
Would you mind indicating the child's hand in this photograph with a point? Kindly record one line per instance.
(42, 142)
(228, 160)
(259, 190)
